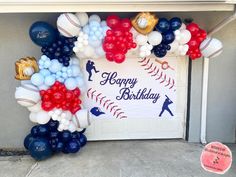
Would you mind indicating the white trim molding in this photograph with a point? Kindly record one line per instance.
(27, 6)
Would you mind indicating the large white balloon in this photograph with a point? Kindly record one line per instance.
(42, 117)
(173, 46)
(33, 117)
(36, 108)
(154, 38)
(83, 18)
(141, 39)
(68, 25)
(185, 36)
(211, 47)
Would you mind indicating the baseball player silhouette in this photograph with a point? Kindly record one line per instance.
(165, 106)
(89, 67)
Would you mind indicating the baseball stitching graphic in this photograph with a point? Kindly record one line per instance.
(106, 103)
(157, 73)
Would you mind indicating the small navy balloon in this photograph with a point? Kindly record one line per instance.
(83, 140)
(73, 146)
(175, 23)
(42, 33)
(163, 25)
(40, 149)
(168, 37)
(96, 111)
(28, 139)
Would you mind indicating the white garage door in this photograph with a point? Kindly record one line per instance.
(142, 98)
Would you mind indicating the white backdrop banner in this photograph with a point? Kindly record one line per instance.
(136, 88)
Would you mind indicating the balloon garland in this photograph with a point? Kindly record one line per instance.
(51, 86)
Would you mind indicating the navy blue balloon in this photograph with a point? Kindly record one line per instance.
(163, 25)
(52, 124)
(28, 139)
(43, 130)
(175, 23)
(168, 37)
(160, 50)
(82, 140)
(54, 134)
(34, 131)
(40, 149)
(66, 136)
(42, 33)
(73, 146)
(60, 146)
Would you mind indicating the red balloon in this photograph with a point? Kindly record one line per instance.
(118, 33)
(109, 56)
(58, 97)
(47, 105)
(119, 57)
(193, 44)
(126, 24)
(113, 21)
(69, 96)
(109, 32)
(76, 92)
(108, 46)
(46, 97)
(193, 28)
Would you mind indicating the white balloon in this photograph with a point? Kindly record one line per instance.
(173, 46)
(154, 38)
(42, 117)
(134, 32)
(183, 26)
(72, 127)
(28, 71)
(211, 47)
(33, 117)
(94, 17)
(185, 36)
(36, 108)
(68, 25)
(141, 39)
(83, 18)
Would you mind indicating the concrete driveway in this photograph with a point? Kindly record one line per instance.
(149, 158)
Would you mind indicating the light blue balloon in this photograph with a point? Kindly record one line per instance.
(75, 70)
(55, 66)
(86, 29)
(64, 75)
(80, 81)
(37, 79)
(60, 79)
(98, 33)
(95, 43)
(44, 57)
(45, 72)
(50, 80)
(94, 24)
(70, 83)
(91, 33)
(59, 73)
(104, 29)
(41, 62)
(64, 69)
(47, 63)
(69, 71)
(94, 29)
(41, 67)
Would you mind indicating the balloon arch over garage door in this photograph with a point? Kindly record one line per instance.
(51, 86)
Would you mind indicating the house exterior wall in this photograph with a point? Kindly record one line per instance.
(221, 112)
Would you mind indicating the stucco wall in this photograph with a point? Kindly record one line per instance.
(15, 43)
